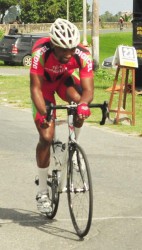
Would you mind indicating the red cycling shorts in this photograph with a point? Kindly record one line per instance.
(50, 88)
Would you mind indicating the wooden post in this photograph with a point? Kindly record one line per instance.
(123, 93)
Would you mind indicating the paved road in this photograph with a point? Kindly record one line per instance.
(101, 31)
(13, 71)
(115, 161)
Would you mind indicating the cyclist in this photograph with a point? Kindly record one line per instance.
(54, 61)
(121, 21)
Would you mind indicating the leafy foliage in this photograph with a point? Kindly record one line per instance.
(46, 11)
(108, 17)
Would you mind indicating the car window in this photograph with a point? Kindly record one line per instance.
(25, 39)
(8, 40)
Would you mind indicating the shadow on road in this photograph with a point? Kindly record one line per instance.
(28, 218)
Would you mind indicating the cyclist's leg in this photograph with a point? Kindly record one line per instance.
(74, 94)
(74, 91)
(43, 146)
(45, 134)
(43, 154)
(43, 160)
(70, 90)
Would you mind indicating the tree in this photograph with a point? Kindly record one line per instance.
(4, 5)
(40, 11)
(107, 17)
(28, 11)
(76, 11)
(46, 11)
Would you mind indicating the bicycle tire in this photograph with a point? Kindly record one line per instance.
(53, 194)
(79, 191)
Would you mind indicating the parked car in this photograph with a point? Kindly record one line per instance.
(17, 48)
(107, 63)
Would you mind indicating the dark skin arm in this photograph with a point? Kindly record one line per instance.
(37, 97)
(87, 90)
(36, 93)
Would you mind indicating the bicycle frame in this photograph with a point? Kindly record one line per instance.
(71, 173)
(61, 167)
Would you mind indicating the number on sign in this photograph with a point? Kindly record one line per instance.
(128, 53)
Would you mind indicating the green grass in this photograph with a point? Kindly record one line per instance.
(103, 80)
(15, 89)
(109, 43)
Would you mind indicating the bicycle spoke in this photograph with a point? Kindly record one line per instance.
(80, 195)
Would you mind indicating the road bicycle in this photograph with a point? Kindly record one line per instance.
(70, 173)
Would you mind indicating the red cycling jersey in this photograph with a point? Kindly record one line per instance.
(57, 76)
(45, 63)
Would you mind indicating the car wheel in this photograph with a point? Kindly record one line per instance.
(27, 60)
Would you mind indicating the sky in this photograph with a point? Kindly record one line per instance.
(113, 6)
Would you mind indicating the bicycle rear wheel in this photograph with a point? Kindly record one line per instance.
(53, 194)
(79, 190)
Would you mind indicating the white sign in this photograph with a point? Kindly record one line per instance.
(125, 56)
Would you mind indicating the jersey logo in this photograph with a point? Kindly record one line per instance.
(56, 69)
(85, 57)
(37, 56)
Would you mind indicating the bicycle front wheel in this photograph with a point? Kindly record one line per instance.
(79, 190)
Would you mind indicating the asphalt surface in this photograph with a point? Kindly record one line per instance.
(115, 161)
(13, 71)
(101, 31)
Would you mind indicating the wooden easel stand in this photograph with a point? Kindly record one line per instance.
(123, 92)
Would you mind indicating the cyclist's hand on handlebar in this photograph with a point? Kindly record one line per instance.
(83, 110)
(43, 122)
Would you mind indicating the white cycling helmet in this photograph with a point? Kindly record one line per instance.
(64, 34)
